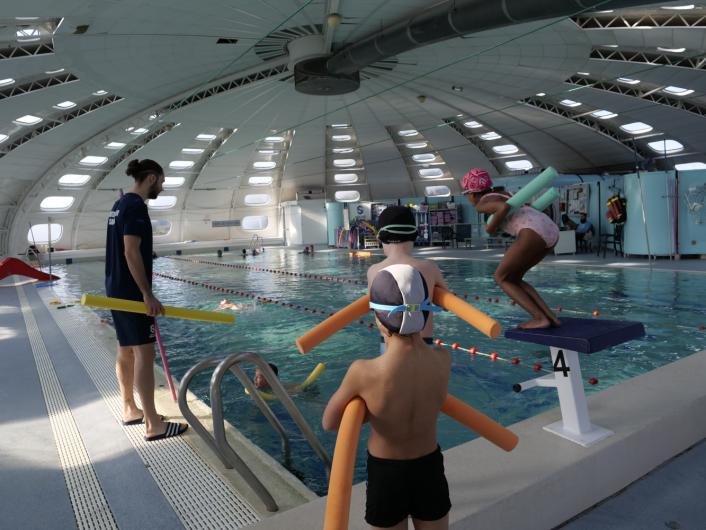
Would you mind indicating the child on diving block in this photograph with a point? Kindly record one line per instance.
(403, 390)
(397, 231)
(536, 235)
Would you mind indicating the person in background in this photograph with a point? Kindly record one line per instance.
(255, 252)
(219, 253)
(259, 379)
(128, 275)
(584, 227)
(403, 389)
(305, 251)
(567, 222)
(245, 253)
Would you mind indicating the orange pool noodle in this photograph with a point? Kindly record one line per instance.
(489, 429)
(340, 485)
(332, 324)
(360, 307)
(465, 311)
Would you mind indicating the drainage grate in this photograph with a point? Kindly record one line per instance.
(87, 499)
(199, 496)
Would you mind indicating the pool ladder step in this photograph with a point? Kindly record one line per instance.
(218, 441)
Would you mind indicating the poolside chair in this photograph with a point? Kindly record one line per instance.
(615, 239)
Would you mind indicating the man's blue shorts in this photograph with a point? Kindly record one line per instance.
(133, 329)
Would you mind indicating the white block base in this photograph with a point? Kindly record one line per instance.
(596, 434)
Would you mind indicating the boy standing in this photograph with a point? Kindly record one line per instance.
(403, 390)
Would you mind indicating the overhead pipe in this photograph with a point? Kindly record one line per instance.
(454, 18)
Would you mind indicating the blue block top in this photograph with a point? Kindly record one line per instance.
(583, 335)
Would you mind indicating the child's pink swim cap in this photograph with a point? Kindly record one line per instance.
(476, 180)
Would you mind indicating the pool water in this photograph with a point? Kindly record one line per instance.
(670, 304)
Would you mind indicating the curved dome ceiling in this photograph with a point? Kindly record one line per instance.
(128, 79)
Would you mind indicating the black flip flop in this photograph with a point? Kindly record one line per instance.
(173, 429)
(138, 421)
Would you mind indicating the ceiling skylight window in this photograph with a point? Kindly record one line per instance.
(472, 124)
(203, 137)
(27, 119)
(93, 160)
(73, 180)
(254, 222)
(263, 164)
(417, 145)
(408, 132)
(570, 103)
(174, 182)
(344, 162)
(636, 127)
(28, 34)
(603, 114)
(115, 145)
(56, 203)
(268, 151)
(490, 136)
(437, 191)
(6, 82)
(3, 137)
(100, 92)
(628, 80)
(610, 45)
(679, 8)
(519, 165)
(257, 199)
(39, 234)
(347, 196)
(666, 147)
(181, 164)
(690, 166)
(339, 125)
(345, 178)
(138, 131)
(341, 137)
(260, 181)
(507, 149)
(424, 157)
(57, 71)
(677, 91)
(64, 105)
(342, 150)
(583, 73)
(275, 139)
(541, 94)
(671, 50)
(163, 202)
(192, 151)
(431, 173)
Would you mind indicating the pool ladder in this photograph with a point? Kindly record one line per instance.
(218, 441)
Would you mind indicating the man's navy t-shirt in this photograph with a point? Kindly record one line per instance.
(128, 217)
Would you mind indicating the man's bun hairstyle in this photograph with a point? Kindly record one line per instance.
(139, 169)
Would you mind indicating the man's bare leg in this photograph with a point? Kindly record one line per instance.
(144, 382)
(124, 370)
(439, 524)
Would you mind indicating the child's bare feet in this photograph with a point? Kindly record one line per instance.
(536, 323)
(555, 322)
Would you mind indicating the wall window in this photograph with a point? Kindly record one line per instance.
(257, 199)
(161, 227)
(56, 203)
(347, 196)
(254, 222)
(437, 191)
(74, 181)
(39, 234)
(690, 166)
(163, 202)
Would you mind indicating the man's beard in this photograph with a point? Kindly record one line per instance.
(153, 192)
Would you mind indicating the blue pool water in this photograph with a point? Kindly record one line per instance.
(670, 304)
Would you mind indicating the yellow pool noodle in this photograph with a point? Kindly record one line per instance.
(133, 306)
(313, 376)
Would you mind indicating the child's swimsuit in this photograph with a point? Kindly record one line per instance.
(528, 217)
(399, 488)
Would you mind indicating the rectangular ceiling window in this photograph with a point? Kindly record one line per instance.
(6, 82)
(274, 139)
(519, 165)
(408, 132)
(93, 160)
(100, 92)
(629, 81)
(424, 157)
(666, 147)
(138, 131)
(431, 173)
(264, 164)
(181, 164)
(257, 199)
(192, 151)
(345, 178)
(341, 137)
(347, 196)
(472, 124)
(603, 114)
(56, 203)
(27, 119)
(173, 182)
(342, 150)
(570, 103)
(39, 234)
(73, 180)
(203, 137)
(340, 125)
(416, 145)
(65, 105)
(437, 191)
(678, 91)
(490, 136)
(690, 166)
(268, 151)
(344, 162)
(260, 181)
(507, 149)
(3, 137)
(163, 202)
(636, 127)
(254, 222)
(115, 145)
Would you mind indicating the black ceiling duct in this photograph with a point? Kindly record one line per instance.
(454, 18)
(311, 77)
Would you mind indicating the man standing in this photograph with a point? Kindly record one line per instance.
(128, 275)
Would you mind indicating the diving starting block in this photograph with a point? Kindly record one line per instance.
(574, 336)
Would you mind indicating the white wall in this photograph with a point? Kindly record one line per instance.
(313, 221)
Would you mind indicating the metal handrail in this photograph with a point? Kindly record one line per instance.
(228, 457)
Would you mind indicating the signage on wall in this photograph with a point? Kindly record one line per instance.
(221, 224)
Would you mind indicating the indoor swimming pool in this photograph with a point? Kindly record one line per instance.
(670, 304)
